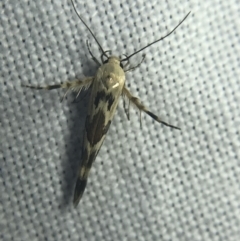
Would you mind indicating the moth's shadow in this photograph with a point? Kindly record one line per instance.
(74, 141)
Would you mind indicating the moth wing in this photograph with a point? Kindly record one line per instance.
(102, 107)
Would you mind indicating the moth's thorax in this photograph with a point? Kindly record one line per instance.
(111, 74)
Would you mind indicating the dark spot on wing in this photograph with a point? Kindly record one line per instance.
(95, 128)
(79, 189)
(99, 96)
(84, 156)
(91, 159)
(102, 96)
(110, 99)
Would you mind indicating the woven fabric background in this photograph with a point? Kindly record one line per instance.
(153, 183)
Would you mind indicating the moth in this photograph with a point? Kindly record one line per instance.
(106, 86)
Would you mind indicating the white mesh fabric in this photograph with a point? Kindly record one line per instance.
(153, 183)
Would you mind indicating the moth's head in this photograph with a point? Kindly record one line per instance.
(113, 60)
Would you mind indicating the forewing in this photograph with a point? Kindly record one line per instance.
(102, 107)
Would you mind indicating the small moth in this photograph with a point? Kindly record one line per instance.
(106, 88)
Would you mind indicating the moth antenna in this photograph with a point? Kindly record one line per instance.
(103, 52)
(128, 57)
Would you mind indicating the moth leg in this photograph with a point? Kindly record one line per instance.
(136, 101)
(133, 68)
(126, 110)
(75, 86)
(93, 57)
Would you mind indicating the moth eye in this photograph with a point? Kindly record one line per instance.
(121, 65)
(105, 61)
